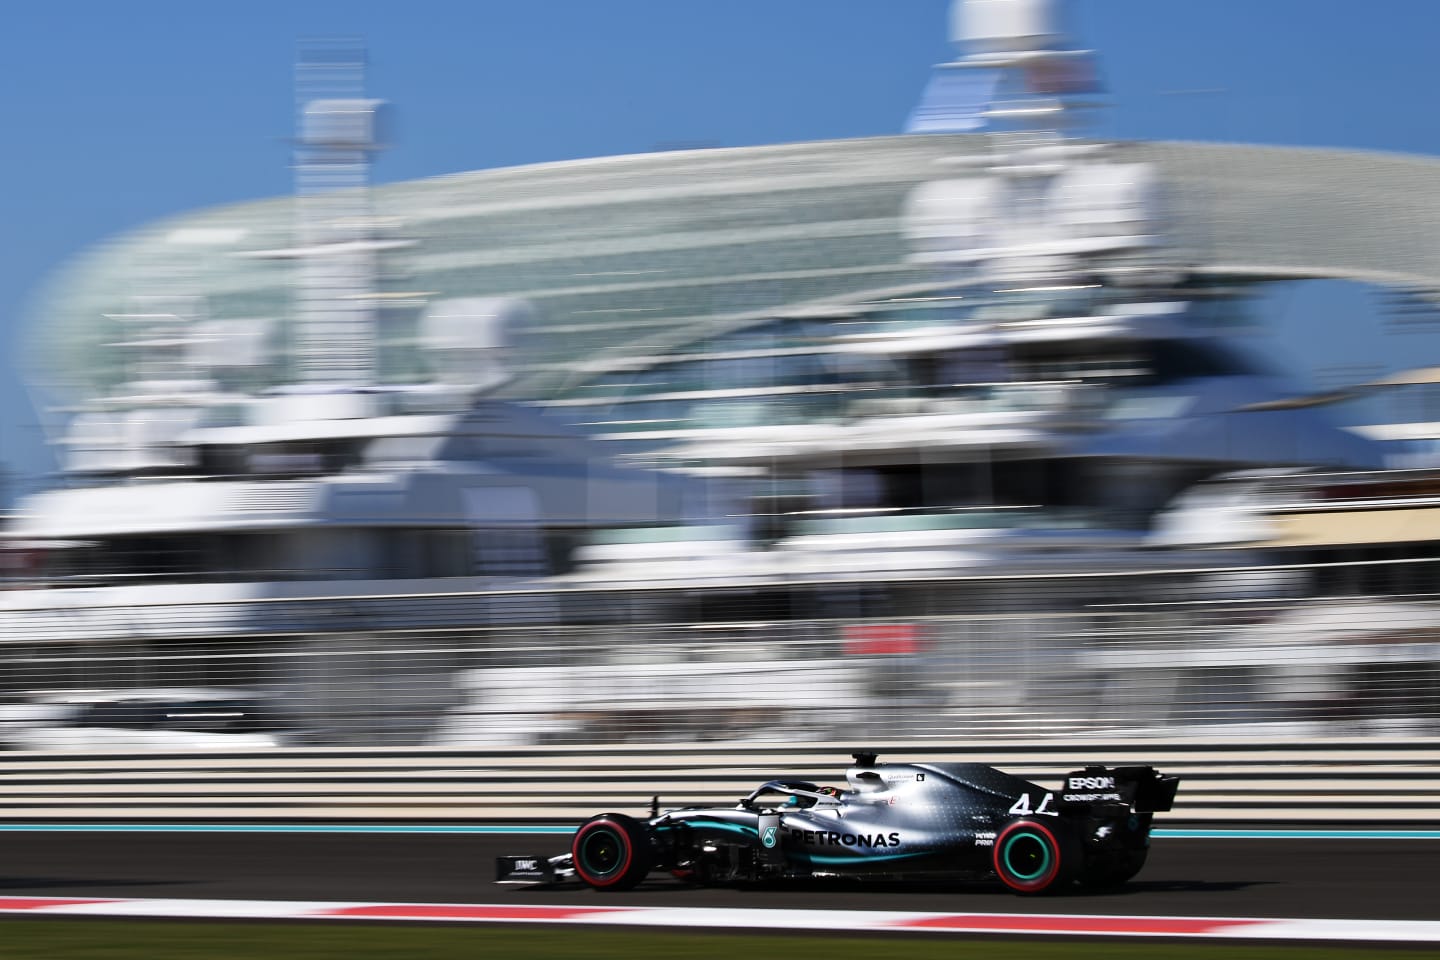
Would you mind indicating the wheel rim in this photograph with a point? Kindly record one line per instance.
(1027, 856)
(602, 852)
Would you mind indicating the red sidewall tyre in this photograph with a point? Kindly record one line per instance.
(1029, 857)
(611, 852)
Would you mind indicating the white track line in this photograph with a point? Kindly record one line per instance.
(816, 921)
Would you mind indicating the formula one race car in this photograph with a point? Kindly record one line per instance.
(900, 821)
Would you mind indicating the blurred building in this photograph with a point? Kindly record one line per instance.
(630, 256)
(906, 360)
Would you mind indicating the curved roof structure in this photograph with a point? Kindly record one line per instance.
(636, 254)
(1285, 212)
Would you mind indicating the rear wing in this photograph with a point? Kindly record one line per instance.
(1142, 789)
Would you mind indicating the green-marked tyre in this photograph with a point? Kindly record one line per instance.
(611, 852)
(1034, 857)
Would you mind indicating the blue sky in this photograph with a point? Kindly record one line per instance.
(114, 113)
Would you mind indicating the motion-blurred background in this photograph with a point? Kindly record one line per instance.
(837, 395)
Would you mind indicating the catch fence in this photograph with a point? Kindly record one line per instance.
(1299, 652)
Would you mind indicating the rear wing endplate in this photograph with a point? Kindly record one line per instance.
(1142, 789)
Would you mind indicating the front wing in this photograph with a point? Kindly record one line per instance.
(533, 870)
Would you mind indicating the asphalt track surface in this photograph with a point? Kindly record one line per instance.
(1337, 879)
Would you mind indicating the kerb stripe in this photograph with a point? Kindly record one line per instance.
(819, 921)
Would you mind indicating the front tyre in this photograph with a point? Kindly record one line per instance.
(1032, 857)
(611, 852)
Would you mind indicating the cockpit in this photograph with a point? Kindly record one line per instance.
(792, 795)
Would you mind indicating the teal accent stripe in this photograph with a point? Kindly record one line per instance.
(852, 859)
(721, 825)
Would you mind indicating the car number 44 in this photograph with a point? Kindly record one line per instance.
(1021, 807)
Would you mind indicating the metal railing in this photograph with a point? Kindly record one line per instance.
(1317, 783)
(1215, 652)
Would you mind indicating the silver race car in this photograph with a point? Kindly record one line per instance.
(902, 821)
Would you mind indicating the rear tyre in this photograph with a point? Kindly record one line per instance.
(1032, 857)
(611, 852)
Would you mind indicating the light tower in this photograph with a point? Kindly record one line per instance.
(1040, 205)
(338, 133)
